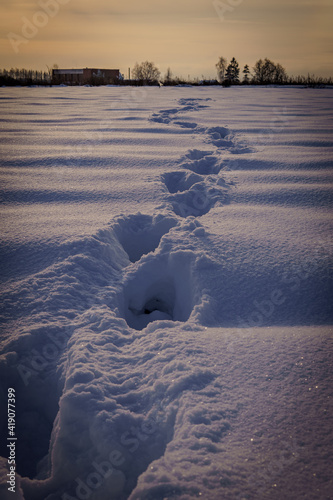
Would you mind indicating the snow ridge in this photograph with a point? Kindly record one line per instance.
(110, 287)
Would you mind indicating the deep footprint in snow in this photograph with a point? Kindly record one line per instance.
(200, 198)
(189, 100)
(197, 154)
(165, 115)
(201, 162)
(180, 180)
(207, 165)
(37, 392)
(217, 133)
(141, 234)
(161, 288)
(192, 104)
(168, 115)
(189, 125)
(221, 137)
(159, 305)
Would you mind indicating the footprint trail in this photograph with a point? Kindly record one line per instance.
(141, 276)
(202, 186)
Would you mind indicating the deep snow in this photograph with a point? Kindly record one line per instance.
(166, 292)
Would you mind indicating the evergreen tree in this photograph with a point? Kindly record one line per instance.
(246, 73)
(232, 72)
(168, 76)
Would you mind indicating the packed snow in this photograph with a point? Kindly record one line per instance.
(166, 284)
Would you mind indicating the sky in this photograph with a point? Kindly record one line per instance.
(188, 36)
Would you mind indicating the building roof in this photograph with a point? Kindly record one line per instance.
(68, 71)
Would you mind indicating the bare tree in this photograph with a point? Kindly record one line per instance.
(146, 71)
(280, 75)
(264, 71)
(221, 67)
(258, 71)
(268, 72)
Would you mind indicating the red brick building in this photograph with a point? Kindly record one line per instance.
(85, 75)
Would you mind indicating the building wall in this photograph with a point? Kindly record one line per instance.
(109, 75)
(86, 75)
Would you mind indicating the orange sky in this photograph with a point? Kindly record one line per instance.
(186, 35)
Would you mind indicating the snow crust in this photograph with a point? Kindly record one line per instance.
(166, 259)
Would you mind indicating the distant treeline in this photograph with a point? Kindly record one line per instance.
(16, 76)
(265, 72)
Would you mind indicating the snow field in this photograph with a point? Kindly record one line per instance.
(182, 351)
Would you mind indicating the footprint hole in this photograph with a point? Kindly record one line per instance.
(161, 289)
(141, 234)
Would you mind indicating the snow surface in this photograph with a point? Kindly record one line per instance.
(166, 292)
